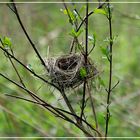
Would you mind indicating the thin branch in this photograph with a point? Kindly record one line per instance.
(75, 40)
(25, 31)
(115, 85)
(47, 106)
(51, 108)
(70, 20)
(42, 104)
(68, 103)
(92, 105)
(13, 65)
(77, 12)
(110, 69)
(84, 19)
(91, 49)
(32, 72)
(86, 55)
(62, 92)
(22, 87)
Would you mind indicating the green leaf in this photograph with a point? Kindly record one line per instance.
(65, 12)
(82, 9)
(70, 13)
(83, 72)
(29, 66)
(104, 51)
(6, 42)
(100, 11)
(79, 32)
(92, 38)
(74, 33)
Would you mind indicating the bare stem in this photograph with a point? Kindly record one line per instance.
(110, 71)
(85, 55)
(68, 103)
(92, 105)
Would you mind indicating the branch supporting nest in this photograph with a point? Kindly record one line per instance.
(66, 71)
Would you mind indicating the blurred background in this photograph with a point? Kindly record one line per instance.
(47, 25)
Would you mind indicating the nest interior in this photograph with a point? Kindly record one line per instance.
(64, 71)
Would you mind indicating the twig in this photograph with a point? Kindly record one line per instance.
(68, 103)
(91, 49)
(52, 109)
(32, 72)
(42, 104)
(70, 20)
(25, 32)
(92, 105)
(84, 19)
(75, 40)
(13, 65)
(115, 85)
(86, 55)
(110, 70)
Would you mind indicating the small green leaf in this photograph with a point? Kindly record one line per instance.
(82, 8)
(70, 13)
(100, 11)
(6, 42)
(79, 32)
(74, 33)
(65, 12)
(105, 51)
(29, 66)
(83, 72)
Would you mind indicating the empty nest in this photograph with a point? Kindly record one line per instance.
(65, 71)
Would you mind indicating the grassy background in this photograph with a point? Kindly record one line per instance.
(48, 26)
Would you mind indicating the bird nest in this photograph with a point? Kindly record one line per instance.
(69, 70)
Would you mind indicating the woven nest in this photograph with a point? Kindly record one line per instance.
(65, 71)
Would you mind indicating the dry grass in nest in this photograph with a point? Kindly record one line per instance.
(66, 71)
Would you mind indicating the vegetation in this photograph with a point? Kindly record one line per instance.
(103, 99)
